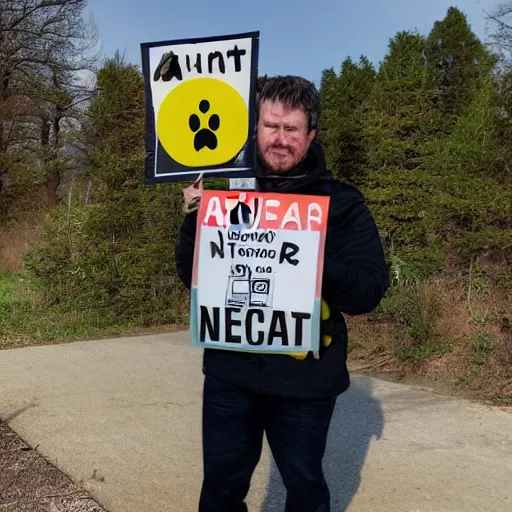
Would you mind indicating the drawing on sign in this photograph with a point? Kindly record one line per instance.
(241, 217)
(204, 137)
(257, 271)
(246, 290)
(200, 107)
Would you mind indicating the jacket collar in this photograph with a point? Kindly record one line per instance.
(311, 171)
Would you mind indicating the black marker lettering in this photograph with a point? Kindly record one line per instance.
(299, 326)
(270, 237)
(264, 270)
(205, 323)
(168, 68)
(216, 55)
(218, 249)
(278, 317)
(197, 65)
(174, 69)
(230, 323)
(236, 53)
(287, 251)
(248, 326)
(242, 270)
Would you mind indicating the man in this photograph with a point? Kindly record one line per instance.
(290, 398)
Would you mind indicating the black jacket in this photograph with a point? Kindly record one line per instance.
(354, 281)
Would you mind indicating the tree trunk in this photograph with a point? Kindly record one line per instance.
(53, 176)
(4, 84)
(52, 186)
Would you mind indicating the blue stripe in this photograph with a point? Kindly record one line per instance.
(194, 325)
(315, 326)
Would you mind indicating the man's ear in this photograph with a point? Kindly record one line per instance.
(312, 135)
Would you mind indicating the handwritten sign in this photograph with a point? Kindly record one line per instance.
(258, 271)
(200, 114)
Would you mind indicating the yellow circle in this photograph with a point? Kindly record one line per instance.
(203, 122)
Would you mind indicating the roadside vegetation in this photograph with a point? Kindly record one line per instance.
(87, 249)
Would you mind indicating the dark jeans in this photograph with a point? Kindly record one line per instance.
(234, 420)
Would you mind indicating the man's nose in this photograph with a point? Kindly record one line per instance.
(281, 137)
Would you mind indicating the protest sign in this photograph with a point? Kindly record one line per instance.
(200, 107)
(258, 268)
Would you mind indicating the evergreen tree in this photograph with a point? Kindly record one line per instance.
(342, 131)
(355, 85)
(134, 229)
(473, 146)
(458, 62)
(470, 153)
(328, 126)
(397, 116)
(115, 255)
(115, 132)
(398, 107)
(503, 84)
(473, 209)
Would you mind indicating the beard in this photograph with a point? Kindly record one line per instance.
(280, 159)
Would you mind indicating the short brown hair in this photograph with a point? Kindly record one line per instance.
(294, 92)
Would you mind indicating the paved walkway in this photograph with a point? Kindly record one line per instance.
(123, 417)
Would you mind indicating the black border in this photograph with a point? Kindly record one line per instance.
(150, 135)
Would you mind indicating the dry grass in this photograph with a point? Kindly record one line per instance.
(18, 236)
(473, 332)
(454, 321)
(504, 346)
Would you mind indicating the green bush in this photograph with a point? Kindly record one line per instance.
(482, 345)
(414, 308)
(115, 257)
(417, 308)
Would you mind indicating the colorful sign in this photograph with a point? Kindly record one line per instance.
(200, 107)
(258, 268)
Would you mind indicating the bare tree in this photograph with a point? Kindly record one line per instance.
(501, 35)
(45, 48)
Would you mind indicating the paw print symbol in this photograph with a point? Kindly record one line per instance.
(204, 137)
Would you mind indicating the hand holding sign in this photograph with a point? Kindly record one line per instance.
(192, 195)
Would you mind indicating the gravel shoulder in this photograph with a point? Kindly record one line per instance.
(29, 483)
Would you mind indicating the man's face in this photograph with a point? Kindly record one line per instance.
(283, 137)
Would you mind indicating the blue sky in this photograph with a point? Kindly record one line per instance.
(297, 36)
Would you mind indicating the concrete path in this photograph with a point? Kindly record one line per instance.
(123, 417)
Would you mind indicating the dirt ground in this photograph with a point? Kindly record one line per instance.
(29, 483)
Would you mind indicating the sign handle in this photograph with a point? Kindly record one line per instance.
(242, 184)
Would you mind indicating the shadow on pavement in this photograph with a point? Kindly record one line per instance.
(358, 418)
